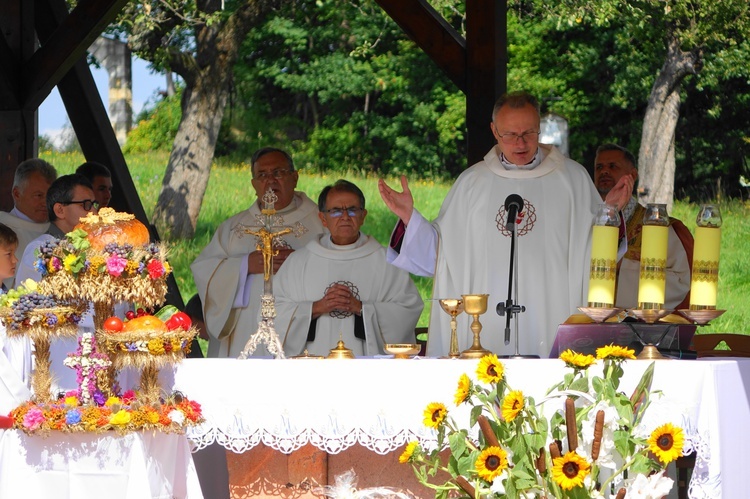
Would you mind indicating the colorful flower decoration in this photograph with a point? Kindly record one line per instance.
(615, 352)
(568, 471)
(666, 443)
(491, 462)
(490, 370)
(577, 360)
(434, 415)
(512, 405)
(463, 390)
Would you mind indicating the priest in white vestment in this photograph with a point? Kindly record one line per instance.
(339, 286)
(229, 271)
(611, 163)
(467, 247)
(28, 218)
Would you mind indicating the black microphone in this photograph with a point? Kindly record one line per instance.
(514, 205)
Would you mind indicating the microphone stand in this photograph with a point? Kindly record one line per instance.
(511, 308)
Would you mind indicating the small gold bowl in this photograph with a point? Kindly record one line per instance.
(402, 350)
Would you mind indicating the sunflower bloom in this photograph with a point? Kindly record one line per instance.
(577, 360)
(490, 370)
(666, 442)
(513, 403)
(434, 415)
(409, 451)
(568, 471)
(491, 462)
(614, 352)
(462, 392)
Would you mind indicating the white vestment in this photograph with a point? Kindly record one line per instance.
(15, 371)
(231, 297)
(391, 304)
(471, 252)
(26, 230)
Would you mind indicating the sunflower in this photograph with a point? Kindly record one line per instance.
(462, 392)
(512, 405)
(614, 352)
(491, 462)
(577, 360)
(666, 442)
(568, 471)
(434, 415)
(490, 370)
(409, 451)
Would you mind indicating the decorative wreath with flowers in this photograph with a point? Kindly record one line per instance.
(25, 311)
(595, 445)
(147, 348)
(121, 414)
(72, 269)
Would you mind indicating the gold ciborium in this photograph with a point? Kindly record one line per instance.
(475, 305)
(453, 307)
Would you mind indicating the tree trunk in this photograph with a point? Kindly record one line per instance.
(186, 177)
(656, 157)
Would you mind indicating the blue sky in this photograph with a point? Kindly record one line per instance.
(52, 115)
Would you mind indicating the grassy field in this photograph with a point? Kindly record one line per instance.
(229, 191)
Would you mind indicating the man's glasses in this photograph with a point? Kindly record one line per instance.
(274, 174)
(511, 138)
(352, 211)
(88, 204)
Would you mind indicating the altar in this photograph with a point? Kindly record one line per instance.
(373, 407)
(137, 465)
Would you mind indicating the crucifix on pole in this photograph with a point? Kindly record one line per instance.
(268, 235)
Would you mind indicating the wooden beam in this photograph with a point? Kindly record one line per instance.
(486, 71)
(432, 34)
(8, 86)
(66, 37)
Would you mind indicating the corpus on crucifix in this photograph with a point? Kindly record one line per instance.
(268, 233)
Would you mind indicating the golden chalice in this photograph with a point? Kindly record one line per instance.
(475, 305)
(453, 307)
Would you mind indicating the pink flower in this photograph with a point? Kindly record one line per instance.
(33, 419)
(155, 269)
(116, 264)
(128, 397)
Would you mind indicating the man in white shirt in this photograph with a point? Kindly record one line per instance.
(340, 286)
(467, 247)
(229, 271)
(29, 218)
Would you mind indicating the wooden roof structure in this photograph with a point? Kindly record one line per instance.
(44, 45)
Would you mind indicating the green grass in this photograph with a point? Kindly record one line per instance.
(229, 191)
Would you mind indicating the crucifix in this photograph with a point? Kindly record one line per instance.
(268, 233)
(91, 368)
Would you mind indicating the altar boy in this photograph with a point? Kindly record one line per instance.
(15, 354)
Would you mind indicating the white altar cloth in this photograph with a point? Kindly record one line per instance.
(378, 404)
(82, 466)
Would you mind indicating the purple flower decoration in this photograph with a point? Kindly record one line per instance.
(51, 319)
(132, 347)
(99, 398)
(56, 263)
(74, 318)
(115, 265)
(73, 416)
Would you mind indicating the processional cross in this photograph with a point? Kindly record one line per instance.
(268, 232)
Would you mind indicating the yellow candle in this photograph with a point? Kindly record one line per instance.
(705, 277)
(652, 282)
(603, 266)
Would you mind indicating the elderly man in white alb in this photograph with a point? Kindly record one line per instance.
(229, 271)
(28, 218)
(467, 247)
(340, 286)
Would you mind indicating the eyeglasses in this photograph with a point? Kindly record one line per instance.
(352, 211)
(88, 204)
(511, 138)
(274, 174)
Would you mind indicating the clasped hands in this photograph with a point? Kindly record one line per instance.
(338, 297)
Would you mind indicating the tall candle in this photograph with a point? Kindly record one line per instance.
(603, 266)
(705, 277)
(654, 240)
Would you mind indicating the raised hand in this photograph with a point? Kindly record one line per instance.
(621, 192)
(400, 203)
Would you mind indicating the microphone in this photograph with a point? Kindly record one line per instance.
(514, 205)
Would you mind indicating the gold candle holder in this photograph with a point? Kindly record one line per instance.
(705, 276)
(475, 305)
(603, 270)
(453, 307)
(654, 240)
